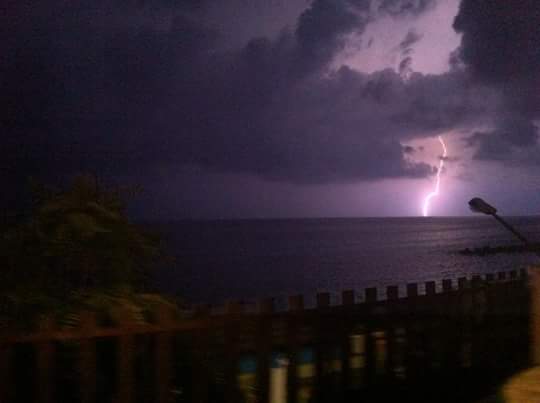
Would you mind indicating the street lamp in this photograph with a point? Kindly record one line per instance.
(480, 206)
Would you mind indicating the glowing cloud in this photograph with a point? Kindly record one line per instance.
(438, 182)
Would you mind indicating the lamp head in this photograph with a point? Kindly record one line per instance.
(480, 206)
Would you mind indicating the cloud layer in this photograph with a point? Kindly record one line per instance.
(119, 88)
(122, 87)
(500, 47)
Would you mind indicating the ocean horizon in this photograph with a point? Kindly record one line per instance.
(246, 259)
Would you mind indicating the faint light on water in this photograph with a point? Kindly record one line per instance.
(278, 378)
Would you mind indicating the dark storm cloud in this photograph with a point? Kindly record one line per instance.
(404, 7)
(409, 149)
(434, 103)
(500, 47)
(343, 127)
(410, 39)
(511, 136)
(405, 48)
(321, 28)
(405, 66)
(500, 38)
(122, 88)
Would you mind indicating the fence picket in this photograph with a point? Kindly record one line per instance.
(6, 383)
(125, 361)
(45, 363)
(87, 359)
(163, 354)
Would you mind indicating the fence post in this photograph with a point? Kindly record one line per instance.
(264, 344)
(392, 292)
(430, 288)
(380, 351)
(323, 300)
(45, 363)
(411, 300)
(447, 285)
(163, 355)
(348, 297)
(357, 358)
(125, 361)
(201, 376)
(296, 303)
(534, 284)
(412, 290)
(233, 312)
(399, 353)
(87, 358)
(323, 304)
(296, 307)
(6, 388)
(371, 294)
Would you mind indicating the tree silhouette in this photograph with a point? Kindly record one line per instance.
(74, 241)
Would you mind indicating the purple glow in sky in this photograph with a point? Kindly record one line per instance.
(280, 108)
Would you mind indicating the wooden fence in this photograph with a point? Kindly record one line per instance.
(419, 335)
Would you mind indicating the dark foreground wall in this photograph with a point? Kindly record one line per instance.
(452, 340)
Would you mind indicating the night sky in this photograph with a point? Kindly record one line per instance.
(275, 108)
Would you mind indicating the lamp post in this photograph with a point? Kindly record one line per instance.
(480, 206)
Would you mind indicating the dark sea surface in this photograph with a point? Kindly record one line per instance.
(250, 259)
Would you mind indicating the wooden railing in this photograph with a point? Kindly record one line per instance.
(415, 337)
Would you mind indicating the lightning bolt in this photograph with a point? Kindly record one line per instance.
(438, 182)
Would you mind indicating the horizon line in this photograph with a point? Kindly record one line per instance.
(326, 218)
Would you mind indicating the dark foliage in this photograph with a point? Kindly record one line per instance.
(76, 242)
